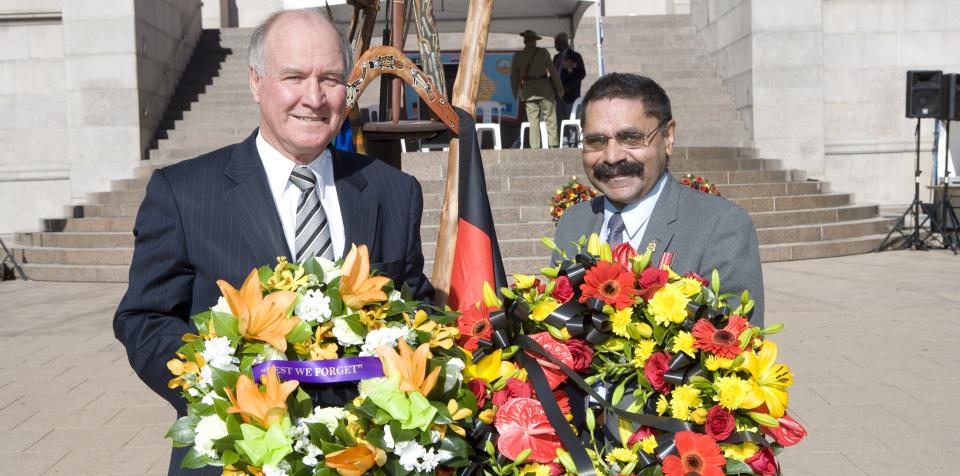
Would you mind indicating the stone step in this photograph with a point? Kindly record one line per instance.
(820, 249)
(118, 197)
(107, 211)
(823, 232)
(505, 231)
(511, 265)
(78, 273)
(75, 256)
(809, 216)
(75, 240)
(99, 224)
(796, 202)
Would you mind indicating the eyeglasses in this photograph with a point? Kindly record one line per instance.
(626, 139)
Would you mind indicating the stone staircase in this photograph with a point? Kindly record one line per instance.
(795, 218)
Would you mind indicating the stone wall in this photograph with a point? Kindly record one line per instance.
(34, 166)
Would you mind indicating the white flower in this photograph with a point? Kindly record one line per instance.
(328, 416)
(388, 437)
(269, 353)
(219, 353)
(394, 296)
(221, 306)
(314, 306)
(385, 336)
(330, 270)
(278, 470)
(452, 373)
(209, 428)
(344, 334)
(414, 457)
(210, 397)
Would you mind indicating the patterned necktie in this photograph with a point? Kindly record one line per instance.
(313, 231)
(615, 229)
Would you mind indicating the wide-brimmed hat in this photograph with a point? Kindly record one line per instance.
(530, 34)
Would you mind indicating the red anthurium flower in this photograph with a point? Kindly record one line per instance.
(722, 342)
(609, 282)
(699, 456)
(522, 424)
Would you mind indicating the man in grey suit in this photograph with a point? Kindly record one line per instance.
(628, 135)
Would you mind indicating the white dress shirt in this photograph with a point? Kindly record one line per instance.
(286, 195)
(635, 216)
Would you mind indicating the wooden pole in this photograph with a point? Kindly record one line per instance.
(465, 97)
(399, 14)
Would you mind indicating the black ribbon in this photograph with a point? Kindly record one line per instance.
(682, 368)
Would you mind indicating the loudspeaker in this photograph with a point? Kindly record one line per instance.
(951, 95)
(925, 94)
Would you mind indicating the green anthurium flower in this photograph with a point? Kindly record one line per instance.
(266, 447)
(411, 409)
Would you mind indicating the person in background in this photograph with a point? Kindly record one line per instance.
(535, 80)
(569, 64)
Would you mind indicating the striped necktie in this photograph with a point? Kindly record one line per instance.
(313, 231)
(615, 229)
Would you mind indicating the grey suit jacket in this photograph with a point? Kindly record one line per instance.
(702, 231)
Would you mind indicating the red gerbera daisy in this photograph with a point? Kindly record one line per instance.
(722, 342)
(699, 456)
(474, 324)
(609, 282)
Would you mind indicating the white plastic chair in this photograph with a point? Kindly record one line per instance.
(543, 134)
(485, 110)
(571, 122)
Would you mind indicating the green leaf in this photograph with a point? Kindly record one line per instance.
(764, 419)
(300, 333)
(194, 460)
(358, 328)
(770, 330)
(200, 320)
(590, 420)
(229, 457)
(223, 378)
(312, 266)
(651, 471)
(183, 431)
(737, 467)
(551, 273)
(618, 392)
(225, 325)
(344, 436)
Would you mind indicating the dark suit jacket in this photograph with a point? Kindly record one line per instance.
(702, 231)
(213, 217)
(571, 79)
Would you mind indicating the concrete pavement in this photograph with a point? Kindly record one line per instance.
(872, 340)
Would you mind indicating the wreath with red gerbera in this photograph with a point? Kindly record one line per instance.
(611, 283)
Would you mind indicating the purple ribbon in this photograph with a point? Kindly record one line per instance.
(323, 371)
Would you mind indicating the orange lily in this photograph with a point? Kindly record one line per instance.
(263, 319)
(265, 408)
(357, 460)
(410, 365)
(357, 287)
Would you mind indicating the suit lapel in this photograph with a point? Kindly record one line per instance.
(660, 228)
(358, 210)
(252, 203)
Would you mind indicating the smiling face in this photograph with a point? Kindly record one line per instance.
(301, 94)
(625, 175)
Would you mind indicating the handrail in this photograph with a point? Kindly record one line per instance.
(166, 68)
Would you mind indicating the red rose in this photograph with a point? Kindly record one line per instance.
(622, 254)
(789, 433)
(479, 389)
(514, 388)
(719, 424)
(640, 434)
(539, 286)
(582, 354)
(685, 181)
(654, 369)
(556, 469)
(562, 290)
(763, 463)
(651, 280)
(704, 281)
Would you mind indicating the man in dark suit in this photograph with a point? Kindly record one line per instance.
(570, 65)
(281, 192)
(628, 135)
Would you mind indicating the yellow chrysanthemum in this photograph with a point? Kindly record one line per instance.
(671, 274)
(642, 352)
(620, 320)
(669, 305)
(649, 444)
(684, 399)
(741, 452)
(662, 404)
(699, 416)
(543, 309)
(731, 391)
(683, 342)
(689, 286)
(621, 455)
(714, 362)
(535, 469)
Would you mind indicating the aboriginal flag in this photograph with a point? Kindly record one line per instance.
(477, 255)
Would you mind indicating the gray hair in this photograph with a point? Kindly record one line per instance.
(259, 37)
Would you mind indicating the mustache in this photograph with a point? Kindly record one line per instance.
(604, 171)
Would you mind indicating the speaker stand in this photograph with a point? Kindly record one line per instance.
(949, 228)
(8, 257)
(911, 240)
